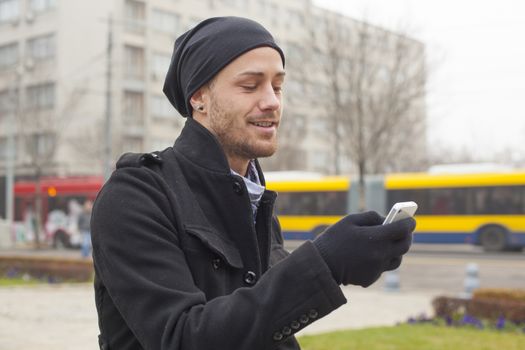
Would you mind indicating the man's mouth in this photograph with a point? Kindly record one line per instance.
(264, 124)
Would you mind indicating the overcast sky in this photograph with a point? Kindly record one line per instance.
(476, 52)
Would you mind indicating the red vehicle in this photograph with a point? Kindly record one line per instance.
(62, 200)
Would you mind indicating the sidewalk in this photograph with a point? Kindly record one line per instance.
(374, 307)
(63, 317)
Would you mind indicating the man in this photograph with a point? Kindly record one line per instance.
(187, 252)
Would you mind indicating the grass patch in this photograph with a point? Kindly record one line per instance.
(19, 281)
(415, 337)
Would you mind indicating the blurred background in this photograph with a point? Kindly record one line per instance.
(385, 101)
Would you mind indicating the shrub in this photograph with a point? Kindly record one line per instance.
(501, 294)
(488, 304)
(494, 308)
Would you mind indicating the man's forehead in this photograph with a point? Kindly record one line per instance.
(258, 73)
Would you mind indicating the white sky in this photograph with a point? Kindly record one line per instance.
(476, 50)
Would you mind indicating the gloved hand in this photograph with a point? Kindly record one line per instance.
(358, 248)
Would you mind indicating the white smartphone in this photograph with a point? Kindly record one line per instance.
(400, 210)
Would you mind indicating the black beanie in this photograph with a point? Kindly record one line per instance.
(201, 52)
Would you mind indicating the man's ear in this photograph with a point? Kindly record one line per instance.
(198, 101)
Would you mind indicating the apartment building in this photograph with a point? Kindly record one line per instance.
(54, 65)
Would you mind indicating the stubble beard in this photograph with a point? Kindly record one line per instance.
(231, 137)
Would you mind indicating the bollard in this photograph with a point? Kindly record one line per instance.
(392, 281)
(471, 280)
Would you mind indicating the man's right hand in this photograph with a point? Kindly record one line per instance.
(358, 248)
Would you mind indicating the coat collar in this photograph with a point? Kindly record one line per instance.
(201, 147)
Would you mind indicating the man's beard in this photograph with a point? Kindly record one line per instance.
(233, 140)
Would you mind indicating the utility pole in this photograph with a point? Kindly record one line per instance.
(10, 156)
(108, 161)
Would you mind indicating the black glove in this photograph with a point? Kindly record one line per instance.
(358, 248)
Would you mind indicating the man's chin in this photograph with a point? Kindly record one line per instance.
(267, 151)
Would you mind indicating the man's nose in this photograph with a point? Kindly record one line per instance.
(270, 100)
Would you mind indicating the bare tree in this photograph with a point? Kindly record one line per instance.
(89, 144)
(375, 87)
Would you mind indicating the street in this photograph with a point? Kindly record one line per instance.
(441, 268)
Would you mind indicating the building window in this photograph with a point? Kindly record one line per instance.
(8, 55)
(8, 101)
(134, 62)
(42, 5)
(9, 10)
(134, 106)
(135, 16)
(42, 47)
(161, 108)
(165, 21)
(40, 144)
(41, 96)
(160, 64)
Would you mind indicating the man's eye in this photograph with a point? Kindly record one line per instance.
(249, 87)
(278, 89)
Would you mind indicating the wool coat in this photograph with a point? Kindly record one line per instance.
(181, 264)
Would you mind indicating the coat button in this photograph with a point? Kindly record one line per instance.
(295, 325)
(287, 331)
(313, 314)
(250, 277)
(216, 263)
(304, 319)
(277, 336)
(237, 187)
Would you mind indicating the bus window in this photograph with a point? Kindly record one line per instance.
(441, 201)
(522, 210)
(448, 201)
(420, 196)
(505, 200)
(480, 200)
(311, 203)
(498, 200)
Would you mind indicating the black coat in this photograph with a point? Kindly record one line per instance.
(180, 264)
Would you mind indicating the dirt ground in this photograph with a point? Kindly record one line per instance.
(58, 317)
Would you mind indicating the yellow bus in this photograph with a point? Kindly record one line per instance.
(486, 209)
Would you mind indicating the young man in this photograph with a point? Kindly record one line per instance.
(187, 252)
